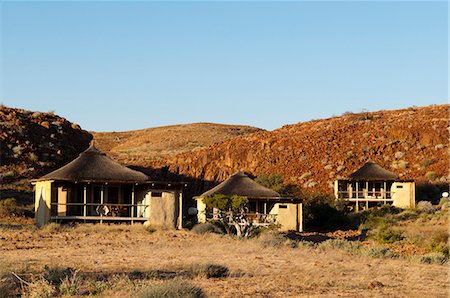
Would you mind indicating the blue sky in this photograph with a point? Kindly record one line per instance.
(113, 66)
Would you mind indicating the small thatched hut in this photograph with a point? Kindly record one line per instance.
(95, 188)
(263, 202)
(372, 185)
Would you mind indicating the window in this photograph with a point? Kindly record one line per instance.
(399, 186)
(283, 206)
(156, 194)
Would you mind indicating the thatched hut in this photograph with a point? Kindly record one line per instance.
(372, 185)
(263, 203)
(95, 188)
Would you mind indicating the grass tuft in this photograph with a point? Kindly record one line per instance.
(209, 270)
(171, 289)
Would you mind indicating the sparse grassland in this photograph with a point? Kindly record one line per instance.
(127, 261)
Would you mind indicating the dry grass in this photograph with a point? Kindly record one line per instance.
(254, 269)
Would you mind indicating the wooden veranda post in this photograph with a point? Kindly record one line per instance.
(132, 204)
(84, 202)
(101, 204)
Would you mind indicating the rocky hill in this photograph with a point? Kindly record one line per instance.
(34, 143)
(411, 142)
(140, 146)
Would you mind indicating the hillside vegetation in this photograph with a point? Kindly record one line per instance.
(411, 142)
(139, 146)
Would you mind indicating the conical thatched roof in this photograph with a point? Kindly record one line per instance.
(372, 171)
(241, 185)
(94, 165)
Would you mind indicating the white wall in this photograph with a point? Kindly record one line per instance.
(403, 194)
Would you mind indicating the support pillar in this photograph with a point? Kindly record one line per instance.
(84, 202)
(101, 204)
(132, 204)
(180, 214)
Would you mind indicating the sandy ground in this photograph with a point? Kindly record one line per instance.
(257, 271)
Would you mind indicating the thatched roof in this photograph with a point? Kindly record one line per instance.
(241, 185)
(372, 171)
(94, 165)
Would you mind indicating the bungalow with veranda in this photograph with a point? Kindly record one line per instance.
(265, 206)
(371, 185)
(94, 188)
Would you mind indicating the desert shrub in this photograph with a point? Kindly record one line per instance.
(209, 270)
(439, 243)
(71, 284)
(348, 246)
(321, 212)
(257, 231)
(407, 214)
(173, 288)
(9, 286)
(148, 227)
(304, 243)
(431, 175)
(271, 239)
(8, 207)
(385, 234)
(380, 252)
(425, 207)
(98, 286)
(369, 221)
(432, 258)
(52, 227)
(207, 227)
(40, 288)
(55, 275)
(427, 162)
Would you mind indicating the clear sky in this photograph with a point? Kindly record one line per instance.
(112, 66)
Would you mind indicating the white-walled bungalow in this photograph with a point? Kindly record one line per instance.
(372, 185)
(264, 204)
(94, 188)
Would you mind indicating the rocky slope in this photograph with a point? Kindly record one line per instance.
(411, 142)
(139, 146)
(34, 143)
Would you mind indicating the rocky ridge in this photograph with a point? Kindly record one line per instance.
(411, 142)
(34, 143)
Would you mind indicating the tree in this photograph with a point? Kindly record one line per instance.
(275, 182)
(231, 213)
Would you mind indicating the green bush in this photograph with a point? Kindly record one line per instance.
(207, 227)
(407, 214)
(172, 289)
(371, 222)
(275, 182)
(439, 243)
(385, 234)
(259, 230)
(209, 270)
(224, 202)
(321, 212)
